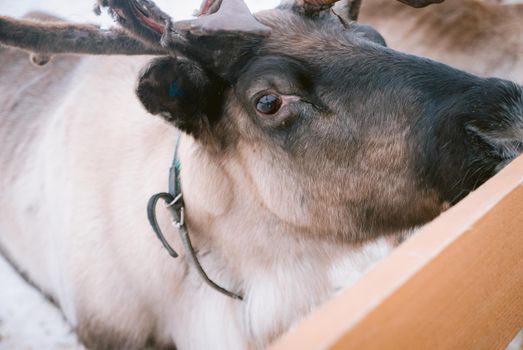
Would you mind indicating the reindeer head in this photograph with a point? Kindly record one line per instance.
(336, 133)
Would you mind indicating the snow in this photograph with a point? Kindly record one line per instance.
(28, 321)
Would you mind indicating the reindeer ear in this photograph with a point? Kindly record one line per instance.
(181, 92)
(370, 33)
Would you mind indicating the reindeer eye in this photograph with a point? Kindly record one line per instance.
(268, 104)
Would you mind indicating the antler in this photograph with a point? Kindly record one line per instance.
(215, 19)
(420, 3)
(140, 18)
(315, 6)
(221, 30)
(144, 20)
(60, 38)
(354, 9)
(222, 27)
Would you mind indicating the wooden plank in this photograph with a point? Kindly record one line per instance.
(458, 284)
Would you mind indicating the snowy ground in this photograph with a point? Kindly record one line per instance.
(27, 320)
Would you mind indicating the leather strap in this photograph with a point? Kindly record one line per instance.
(175, 205)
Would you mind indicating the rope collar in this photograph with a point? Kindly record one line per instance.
(175, 205)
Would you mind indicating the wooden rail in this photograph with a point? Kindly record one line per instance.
(457, 284)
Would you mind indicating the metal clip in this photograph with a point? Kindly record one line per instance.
(181, 221)
(174, 201)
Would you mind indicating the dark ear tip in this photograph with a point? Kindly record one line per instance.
(178, 90)
(157, 68)
(152, 87)
(370, 33)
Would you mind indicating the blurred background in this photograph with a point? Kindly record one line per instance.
(82, 10)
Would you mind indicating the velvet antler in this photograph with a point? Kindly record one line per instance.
(60, 38)
(223, 25)
(313, 6)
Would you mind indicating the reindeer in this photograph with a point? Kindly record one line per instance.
(482, 37)
(298, 137)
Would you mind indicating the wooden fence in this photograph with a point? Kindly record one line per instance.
(457, 284)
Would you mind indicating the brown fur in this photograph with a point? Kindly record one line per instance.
(482, 37)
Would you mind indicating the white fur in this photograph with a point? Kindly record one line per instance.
(75, 220)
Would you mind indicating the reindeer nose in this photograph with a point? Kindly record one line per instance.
(498, 110)
(499, 119)
(480, 131)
